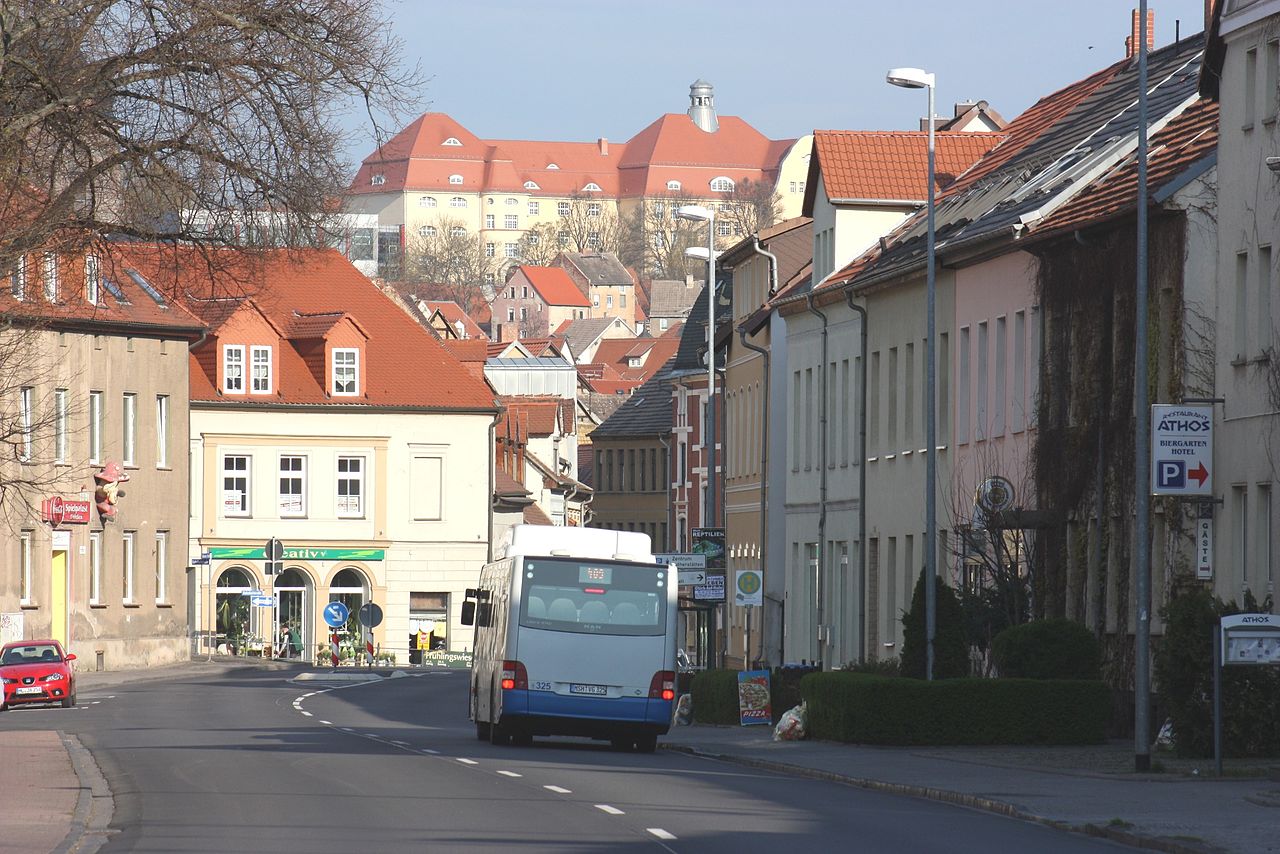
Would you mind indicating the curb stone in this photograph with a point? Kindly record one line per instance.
(90, 823)
(1126, 837)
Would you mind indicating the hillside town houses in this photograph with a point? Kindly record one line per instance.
(387, 427)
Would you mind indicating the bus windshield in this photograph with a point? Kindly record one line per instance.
(594, 597)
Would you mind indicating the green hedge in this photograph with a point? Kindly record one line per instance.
(715, 697)
(1047, 649)
(862, 709)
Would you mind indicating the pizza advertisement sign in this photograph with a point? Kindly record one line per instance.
(753, 698)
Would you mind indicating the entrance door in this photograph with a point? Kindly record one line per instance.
(58, 597)
(291, 590)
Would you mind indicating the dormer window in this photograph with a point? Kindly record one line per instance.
(346, 371)
(530, 185)
(453, 140)
(426, 201)
(635, 362)
(92, 279)
(233, 369)
(51, 277)
(18, 280)
(722, 185)
(377, 179)
(552, 166)
(260, 365)
(455, 179)
(673, 185)
(591, 187)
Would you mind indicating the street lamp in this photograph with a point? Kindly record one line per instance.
(698, 213)
(916, 78)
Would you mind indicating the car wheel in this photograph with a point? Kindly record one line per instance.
(68, 702)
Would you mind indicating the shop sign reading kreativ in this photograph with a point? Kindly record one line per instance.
(298, 553)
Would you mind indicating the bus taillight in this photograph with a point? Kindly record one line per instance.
(514, 676)
(663, 685)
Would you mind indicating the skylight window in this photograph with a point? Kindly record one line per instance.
(530, 185)
(552, 166)
(453, 140)
(591, 187)
(146, 286)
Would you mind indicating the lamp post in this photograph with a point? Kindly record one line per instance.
(916, 78)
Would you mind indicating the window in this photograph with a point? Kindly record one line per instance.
(260, 365)
(130, 437)
(595, 300)
(457, 202)
(377, 179)
(511, 250)
(455, 179)
(18, 281)
(162, 431)
(51, 277)
(511, 203)
(490, 249)
(95, 426)
(350, 486)
(673, 185)
(346, 371)
(534, 207)
(1001, 371)
(1242, 306)
(293, 486)
(721, 185)
(25, 415)
(24, 567)
(724, 227)
(236, 475)
(532, 237)
(60, 425)
(511, 221)
(1264, 529)
(233, 369)
(1250, 86)
(127, 541)
(92, 278)
(489, 221)
(593, 209)
(162, 558)
(458, 231)
(427, 231)
(659, 210)
(563, 238)
(511, 314)
(524, 292)
(95, 567)
(792, 186)
(591, 187)
(427, 201)
(524, 313)
(453, 140)
(1264, 301)
(608, 301)
(1272, 81)
(593, 239)
(552, 166)
(1240, 502)
(530, 185)
(562, 208)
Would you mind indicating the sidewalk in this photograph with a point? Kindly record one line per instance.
(1076, 788)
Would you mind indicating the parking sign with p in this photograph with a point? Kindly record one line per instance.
(1181, 449)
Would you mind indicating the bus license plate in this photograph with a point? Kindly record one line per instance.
(592, 690)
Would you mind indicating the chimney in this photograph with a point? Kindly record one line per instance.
(1209, 6)
(604, 146)
(1131, 43)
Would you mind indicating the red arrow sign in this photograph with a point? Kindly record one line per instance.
(1200, 473)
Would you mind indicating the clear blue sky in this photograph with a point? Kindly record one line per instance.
(576, 70)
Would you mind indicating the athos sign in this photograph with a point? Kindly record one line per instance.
(1181, 449)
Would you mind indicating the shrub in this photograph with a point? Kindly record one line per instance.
(1048, 649)
(784, 688)
(863, 709)
(715, 697)
(950, 649)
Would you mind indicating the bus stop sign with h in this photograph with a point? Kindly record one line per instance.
(1241, 639)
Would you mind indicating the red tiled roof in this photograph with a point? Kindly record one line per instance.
(554, 286)
(534, 515)
(893, 165)
(1179, 144)
(536, 412)
(453, 314)
(402, 365)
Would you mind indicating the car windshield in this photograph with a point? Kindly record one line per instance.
(31, 654)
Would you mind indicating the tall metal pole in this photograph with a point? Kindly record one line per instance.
(722, 628)
(1142, 438)
(931, 430)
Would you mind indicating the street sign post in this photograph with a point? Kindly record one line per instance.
(682, 560)
(273, 553)
(1181, 449)
(687, 577)
(336, 614)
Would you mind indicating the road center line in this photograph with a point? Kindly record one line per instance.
(327, 723)
(307, 714)
(660, 833)
(558, 790)
(432, 752)
(610, 810)
(467, 761)
(510, 774)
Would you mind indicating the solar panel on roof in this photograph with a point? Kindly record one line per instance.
(115, 290)
(145, 285)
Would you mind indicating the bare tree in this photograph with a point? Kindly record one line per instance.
(455, 263)
(591, 225)
(750, 206)
(171, 119)
(660, 238)
(540, 245)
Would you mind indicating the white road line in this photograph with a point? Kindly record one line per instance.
(307, 714)
(558, 790)
(510, 774)
(400, 743)
(660, 833)
(466, 761)
(372, 735)
(610, 810)
(327, 723)
(429, 750)
(346, 729)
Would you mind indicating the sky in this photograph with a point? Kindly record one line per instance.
(574, 70)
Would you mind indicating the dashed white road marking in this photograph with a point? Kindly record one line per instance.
(510, 774)
(327, 723)
(559, 790)
(466, 761)
(400, 743)
(610, 810)
(660, 833)
(307, 714)
(346, 729)
(429, 750)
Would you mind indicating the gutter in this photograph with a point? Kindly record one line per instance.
(822, 480)
(862, 480)
(493, 479)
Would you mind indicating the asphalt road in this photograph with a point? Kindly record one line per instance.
(250, 761)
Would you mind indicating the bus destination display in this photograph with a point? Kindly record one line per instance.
(595, 574)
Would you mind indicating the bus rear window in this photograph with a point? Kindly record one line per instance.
(597, 597)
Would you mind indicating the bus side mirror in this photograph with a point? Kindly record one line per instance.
(472, 593)
(469, 612)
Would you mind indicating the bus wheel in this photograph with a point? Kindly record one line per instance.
(482, 731)
(521, 738)
(646, 743)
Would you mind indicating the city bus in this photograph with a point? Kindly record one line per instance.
(575, 634)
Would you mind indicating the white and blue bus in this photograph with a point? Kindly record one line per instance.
(574, 635)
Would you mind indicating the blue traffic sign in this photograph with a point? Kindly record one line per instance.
(336, 614)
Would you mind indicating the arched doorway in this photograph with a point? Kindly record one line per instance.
(236, 620)
(351, 588)
(294, 593)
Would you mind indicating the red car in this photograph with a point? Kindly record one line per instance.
(37, 671)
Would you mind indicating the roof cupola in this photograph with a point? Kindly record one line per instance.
(702, 106)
